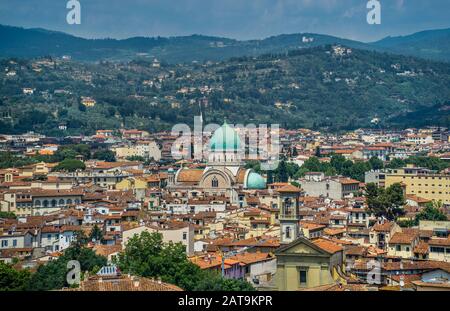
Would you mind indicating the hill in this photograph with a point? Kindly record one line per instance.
(432, 44)
(29, 43)
(327, 87)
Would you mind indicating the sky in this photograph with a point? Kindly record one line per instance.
(237, 19)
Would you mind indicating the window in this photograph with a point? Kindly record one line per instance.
(184, 235)
(288, 232)
(14, 243)
(5, 243)
(215, 183)
(398, 248)
(437, 249)
(303, 277)
(407, 249)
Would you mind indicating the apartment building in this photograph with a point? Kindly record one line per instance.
(421, 182)
(336, 188)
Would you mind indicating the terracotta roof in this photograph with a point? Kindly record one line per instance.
(110, 165)
(334, 231)
(356, 250)
(249, 258)
(421, 248)
(439, 242)
(339, 288)
(105, 250)
(190, 175)
(417, 199)
(311, 226)
(403, 238)
(430, 284)
(213, 261)
(124, 284)
(348, 181)
(327, 245)
(289, 189)
(384, 227)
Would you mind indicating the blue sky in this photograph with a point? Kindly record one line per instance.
(239, 19)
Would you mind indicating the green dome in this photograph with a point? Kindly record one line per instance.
(255, 181)
(225, 138)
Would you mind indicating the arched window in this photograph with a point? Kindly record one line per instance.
(45, 203)
(69, 201)
(215, 183)
(53, 203)
(37, 203)
(288, 232)
(61, 202)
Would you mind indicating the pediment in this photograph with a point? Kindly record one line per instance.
(301, 246)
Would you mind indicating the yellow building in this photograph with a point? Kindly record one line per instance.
(305, 264)
(132, 183)
(37, 169)
(421, 182)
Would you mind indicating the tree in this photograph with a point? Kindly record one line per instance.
(136, 158)
(296, 184)
(70, 165)
(148, 256)
(53, 275)
(96, 234)
(386, 203)
(212, 281)
(396, 163)
(269, 177)
(71, 151)
(294, 152)
(254, 165)
(431, 212)
(12, 279)
(8, 215)
(358, 170)
(105, 155)
(338, 161)
(376, 163)
(317, 152)
(282, 174)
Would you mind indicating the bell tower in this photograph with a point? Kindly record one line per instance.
(289, 202)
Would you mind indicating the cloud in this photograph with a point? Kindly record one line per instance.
(241, 19)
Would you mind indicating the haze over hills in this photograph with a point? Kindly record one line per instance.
(432, 44)
(29, 43)
(327, 87)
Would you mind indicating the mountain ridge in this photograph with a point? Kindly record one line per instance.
(37, 42)
(328, 87)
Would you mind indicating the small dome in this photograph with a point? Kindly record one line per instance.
(225, 138)
(255, 181)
